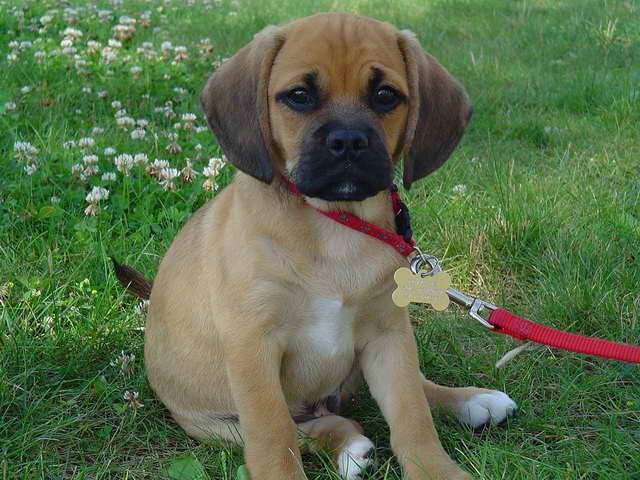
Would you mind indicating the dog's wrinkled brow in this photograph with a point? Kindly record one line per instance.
(311, 80)
(377, 76)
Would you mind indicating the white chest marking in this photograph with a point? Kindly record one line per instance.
(330, 329)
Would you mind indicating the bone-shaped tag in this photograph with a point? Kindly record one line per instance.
(416, 288)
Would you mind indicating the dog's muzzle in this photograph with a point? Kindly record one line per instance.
(343, 163)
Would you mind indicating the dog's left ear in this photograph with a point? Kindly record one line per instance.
(439, 111)
(235, 103)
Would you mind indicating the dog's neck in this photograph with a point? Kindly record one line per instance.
(376, 210)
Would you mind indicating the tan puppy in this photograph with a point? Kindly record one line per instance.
(265, 314)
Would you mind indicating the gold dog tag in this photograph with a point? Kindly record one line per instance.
(421, 289)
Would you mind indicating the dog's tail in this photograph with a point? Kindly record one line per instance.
(135, 282)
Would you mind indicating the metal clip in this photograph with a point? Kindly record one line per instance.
(475, 306)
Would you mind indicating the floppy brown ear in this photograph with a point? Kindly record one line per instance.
(439, 111)
(235, 103)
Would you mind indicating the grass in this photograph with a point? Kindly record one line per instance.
(544, 219)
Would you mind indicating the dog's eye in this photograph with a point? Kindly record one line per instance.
(300, 100)
(385, 99)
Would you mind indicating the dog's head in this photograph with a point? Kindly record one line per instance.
(335, 100)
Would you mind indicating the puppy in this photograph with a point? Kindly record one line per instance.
(265, 315)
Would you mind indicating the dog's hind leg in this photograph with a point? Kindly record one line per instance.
(474, 406)
(204, 426)
(351, 450)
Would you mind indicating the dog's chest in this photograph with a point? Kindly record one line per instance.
(328, 328)
(321, 349)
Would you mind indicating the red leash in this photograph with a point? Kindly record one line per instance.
(500, 320)
(510, 324)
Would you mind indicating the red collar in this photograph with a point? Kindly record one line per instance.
(404, 245)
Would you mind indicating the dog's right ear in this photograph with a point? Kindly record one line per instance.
(236, 105)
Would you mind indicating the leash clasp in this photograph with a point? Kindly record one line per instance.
(475, 306)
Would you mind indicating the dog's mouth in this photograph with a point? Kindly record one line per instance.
(343, 185)
(347, 191)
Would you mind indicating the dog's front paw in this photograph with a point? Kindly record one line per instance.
(492, 407)
(355, 457)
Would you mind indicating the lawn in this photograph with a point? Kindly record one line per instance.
(538, 210)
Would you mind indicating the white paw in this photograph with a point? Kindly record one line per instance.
(484, 408)
(355, 457)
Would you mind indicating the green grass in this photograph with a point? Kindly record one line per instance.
(547, 224)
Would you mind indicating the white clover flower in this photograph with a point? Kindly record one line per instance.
(120, 113)
(145, 19)
(109, 151)
(66, 43)
(104, 15)
(166, 177)
(109, 55)
(198, 147)
(92, 210)
(188, 173)
(71, 32)
(124, 363)
(97, 131)
(205, 47)
(156, 166)
(135, 70)
(124, 163)
(25, 152)
(141, 158)
(124, 32)
(132, 398)
(89, 171)
(45, 19)
(113, 43)
(26, 89)
(14, 45)
(117, 105)
(210, 185)
(86, 142)
(125, 122)
(97, 194)
(180, 54)
(143, 123)
(200, 129)
(69, 144)
(9, 106)
(77, 169)
(25, 45)
(69, 51)
(90, 159)
(214, 167)
(39, 56)
(102, 94)
(86, 89)
(461, 189)
(55, 199)
(93, 46)
(138, 134)
(174, 148)
(109, 176)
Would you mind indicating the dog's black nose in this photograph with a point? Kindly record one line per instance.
(341, 142)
